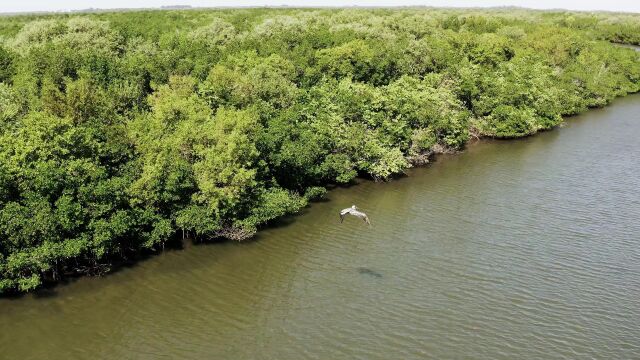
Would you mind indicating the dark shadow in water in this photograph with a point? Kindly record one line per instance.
(281, 222)
(350, 184)
(369, 272)
(49, 287)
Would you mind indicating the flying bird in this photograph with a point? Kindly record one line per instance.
(353, 210)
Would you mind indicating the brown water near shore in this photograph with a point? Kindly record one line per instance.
(522, 249)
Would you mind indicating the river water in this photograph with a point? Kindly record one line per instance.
(523, 249)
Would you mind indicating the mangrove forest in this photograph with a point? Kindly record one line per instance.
(122, 132)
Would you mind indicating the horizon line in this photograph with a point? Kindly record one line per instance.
(284, 6)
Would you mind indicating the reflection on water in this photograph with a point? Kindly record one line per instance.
(513, 249)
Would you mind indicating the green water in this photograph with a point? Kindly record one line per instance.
(523, 249)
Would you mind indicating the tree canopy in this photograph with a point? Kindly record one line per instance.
(121, 131)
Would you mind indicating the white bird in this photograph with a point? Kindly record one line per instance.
(353, 210)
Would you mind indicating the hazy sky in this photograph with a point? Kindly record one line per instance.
(48, 5)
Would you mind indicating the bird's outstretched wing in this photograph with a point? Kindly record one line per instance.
(344, 213)
(366, 219)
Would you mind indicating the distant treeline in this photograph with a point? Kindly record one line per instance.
(122, 131)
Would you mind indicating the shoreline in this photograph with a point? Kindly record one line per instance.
(223, 123)
(177, 244)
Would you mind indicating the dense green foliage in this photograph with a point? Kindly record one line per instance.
(120, 130)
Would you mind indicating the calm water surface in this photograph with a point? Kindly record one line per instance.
(523, 249)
